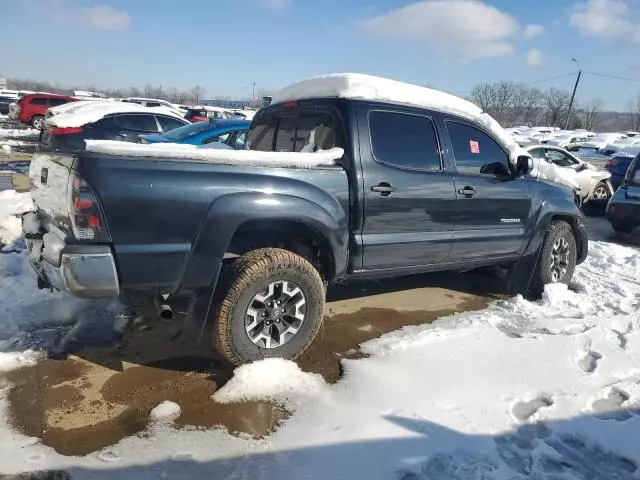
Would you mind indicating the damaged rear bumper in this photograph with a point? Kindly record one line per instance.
(84, 271)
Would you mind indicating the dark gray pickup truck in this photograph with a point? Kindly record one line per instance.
(415, 190)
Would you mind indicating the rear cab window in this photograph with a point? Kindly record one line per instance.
(293, 131)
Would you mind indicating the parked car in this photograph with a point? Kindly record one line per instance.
(623, 210)
(593, 184)
(31, 108)
(619, 164)
(597, 143)
(5, 101)
(570, 142)
(403, 180)
(92, 119)
(154, 103)
(230, 132)
(202, 113)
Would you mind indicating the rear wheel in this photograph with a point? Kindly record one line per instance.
(557, 260)
(37, 121)
(273, 307)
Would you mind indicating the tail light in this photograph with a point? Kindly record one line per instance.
(87, 219)
(65, 131)
(610, 163)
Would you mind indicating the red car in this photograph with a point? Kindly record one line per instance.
(31, 108)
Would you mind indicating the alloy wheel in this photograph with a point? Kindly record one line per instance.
(559, 259)
(275, 315)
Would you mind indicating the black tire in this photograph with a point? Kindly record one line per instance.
(253, 275)
(622, 227)
(559, 236)
(37, 121)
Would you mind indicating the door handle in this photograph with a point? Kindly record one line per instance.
(121, 135)
(383, 188)
(468, 192)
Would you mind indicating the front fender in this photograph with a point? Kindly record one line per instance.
(563, 209)
(226, 214)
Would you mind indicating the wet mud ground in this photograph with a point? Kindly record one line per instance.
(82, 402)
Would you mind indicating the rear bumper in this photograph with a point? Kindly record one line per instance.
(84, 271)
(623, 209)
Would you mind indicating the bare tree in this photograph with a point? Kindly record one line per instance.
(590, 114)
(557, 106)
(633, 109)
(484, 96)
(197, 94)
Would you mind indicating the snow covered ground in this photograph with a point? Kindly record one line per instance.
(545, 390)
(12, 135)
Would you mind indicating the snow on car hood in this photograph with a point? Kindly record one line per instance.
(358, 86)
(224, 157)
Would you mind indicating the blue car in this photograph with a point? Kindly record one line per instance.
(623, 210)
(229, 132)
(618, 165)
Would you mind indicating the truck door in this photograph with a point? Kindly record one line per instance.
(493, 207)
(409, 197)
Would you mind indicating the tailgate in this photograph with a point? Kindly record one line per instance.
(49, 178)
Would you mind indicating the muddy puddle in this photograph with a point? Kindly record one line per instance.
(98, 396)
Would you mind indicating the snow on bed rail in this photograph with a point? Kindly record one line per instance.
(224, 157)
(358, 86)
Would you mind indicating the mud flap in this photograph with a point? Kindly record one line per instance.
(521, 275)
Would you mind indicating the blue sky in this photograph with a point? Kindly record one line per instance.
(226, 45)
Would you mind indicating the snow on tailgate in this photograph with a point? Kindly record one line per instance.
(358, 86)
(224, 157)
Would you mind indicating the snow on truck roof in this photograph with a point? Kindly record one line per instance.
(359, 86)
(79, 114)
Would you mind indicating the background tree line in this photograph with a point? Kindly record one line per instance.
(510, 103)
(513, 104)
(192, 96)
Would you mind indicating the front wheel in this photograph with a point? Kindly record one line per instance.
(37, 121)
(601, 193)
(558, 255)
(273, 307)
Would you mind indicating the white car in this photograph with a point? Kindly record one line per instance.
(558, 165)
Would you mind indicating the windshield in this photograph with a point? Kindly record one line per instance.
(187, 131)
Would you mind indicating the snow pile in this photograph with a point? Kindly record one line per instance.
(13, 360)
(358, 86)
(165, 411)
(12, 204)
(271, 379)
(30, 133)
(82, 113)
(253, 158)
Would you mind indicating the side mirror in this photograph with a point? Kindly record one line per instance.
(524, 165)
(495, 168)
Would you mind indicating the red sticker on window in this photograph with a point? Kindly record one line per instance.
(475, 146)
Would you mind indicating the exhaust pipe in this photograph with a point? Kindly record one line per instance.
(164, 311)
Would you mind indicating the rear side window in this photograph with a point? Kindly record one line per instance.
(39, 101)
(140, 123)
(54, 102)
(302, 132)
(403, 140)
(168, 123)
(476, 153)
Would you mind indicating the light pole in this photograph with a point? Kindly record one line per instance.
(573, 95)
